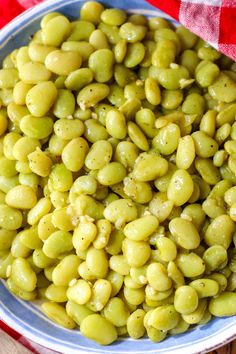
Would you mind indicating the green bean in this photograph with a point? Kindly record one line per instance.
(97, 262)
(141, 228)
(115, 242)
(85, 205)
(77, 79)
(101, 63)
(116, 124)
(207, 170)
(62, 220)
(84, 235)
(191, 264)
(186, 299)
(36, 127)
(8, 78)
(98, 40)
(30, 238)
(206, 72)
(223, 305)
(39, 163)
(63, 62)
(95, 131)
(120, 50)
(112, 32)
(137, 253)
(22, 275)
(134, 89)
(164, 318)
(205, 287)
(41, 260)
(56, 293)
(148, 167)
(167, 139)
(41, 107)
(25, 295)
(139, 192)
(116, 312)
(123, 75)
(175, 274)
(73, 154)
(99, 329)
(172, 79)
(180, 187)
(21, 197)
(197, 315)
(99, 155)
(77, 312)
(33, 73)
(10, 219)
(81, 30)
(6, 238)
(184, 233)
(64, 105)
(79, 292)
(91, 11)
(113, 17)
(134, 296)
(135, 54)
(58, 314)
(112, 173)
(5, 262)
(222, 225)
(91, 94)
(116, 96)
(208, 53)
(55, 30)
(82, 47)
(223, 89)
(135, 325)
(152, 91)
(157, 277)
(57, 244)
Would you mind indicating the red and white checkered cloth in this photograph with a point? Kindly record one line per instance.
(213, 20)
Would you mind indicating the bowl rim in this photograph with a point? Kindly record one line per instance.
(225, 336)
(211, 342)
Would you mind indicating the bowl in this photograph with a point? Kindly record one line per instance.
(27, 318)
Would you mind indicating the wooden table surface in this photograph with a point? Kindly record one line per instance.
(9, 346)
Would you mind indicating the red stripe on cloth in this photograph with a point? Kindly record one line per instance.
(171, 7)
(227, 25)
(10, 9)
(9, 330)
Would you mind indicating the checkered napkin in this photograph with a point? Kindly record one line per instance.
(212, 20)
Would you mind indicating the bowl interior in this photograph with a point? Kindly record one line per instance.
(26, 317)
